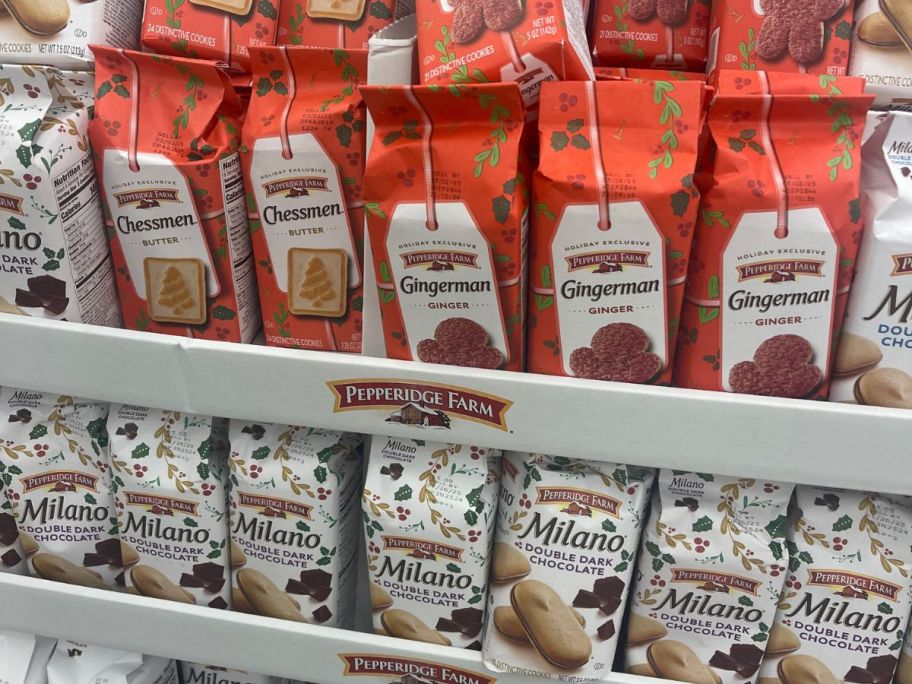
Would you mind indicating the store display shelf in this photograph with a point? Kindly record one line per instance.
(811, 442)
(233, 640)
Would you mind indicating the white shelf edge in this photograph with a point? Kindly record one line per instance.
(777, 439)
(216, 637)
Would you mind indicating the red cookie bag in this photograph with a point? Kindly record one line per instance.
(812, 36)
(614, 210)
(303, 154)
(222, 31)
(778, 234)
(351, 25)
(615, 73)
(651, 34)
(503, 40)
(446, 202)
(165, 138)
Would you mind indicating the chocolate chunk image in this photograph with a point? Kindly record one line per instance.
(255, 431)
(21, 416)
(9, 532)
(606, 630)
(829, 500)
(587, 599)
(609, 587)
(130, 430)
(209, 571)
(11, 558)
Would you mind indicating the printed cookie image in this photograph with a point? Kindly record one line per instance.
(380, 597)
(796, 27)
(803, 669)
(508, 563)
(237, 555)
(404, 625)
(878, 31)
(265, 597)
(58, 569)
(340, 10)
(670, 12)
(500, 15)
(28, 543)
(238, 7)
(150, 582)
(508, 623)
(619, 353)
(642, 629)
(899, 15)
(676, 661)
(317, 282)
(468, 22)
(550, 625)
(782, 640)
(460, 342)
(176, 289)
(39, 17)
(887, 387)
(781, 368)
(856, 354)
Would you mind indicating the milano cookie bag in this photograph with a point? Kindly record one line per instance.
(165, 136)
(54, 257)
(343, 24)
(777, 237)
(615, 205)
(651, 34)
(170, 478)
(781, 35)
(24, 657)
(429, 521)
(846, 600)
(446, 208)
(882, 50)
(54, 461)
(294, 522)
(220, 31)
(567, 532)
(503, 40)
(303, 156)
(712, 563)
(873, 365)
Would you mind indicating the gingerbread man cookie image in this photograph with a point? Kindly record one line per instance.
(796, 27)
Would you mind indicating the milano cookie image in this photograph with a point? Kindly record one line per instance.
(380, 597)
(238, 7)
(508, 563)
(176, 290)
(238, 557)
(41, 17)
(265, 597)
(404, 625)
(803, 669)
(28, 543)
(507, 623)
(782, 640)
(150, 582)
(317, 282)
(128, 555)
(676, 661)
(856, 354)
(460, 342)
(550, 625)
(340, 10)
(642, 629)
(899, 14)
(877, 31)
(782, 367)
(240, 603)
(619, 352)
(886, 387)
(796, 27)
(51, 567)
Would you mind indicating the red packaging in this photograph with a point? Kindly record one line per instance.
(350, 25)
(165, 138)
(778, 234)
(651, 34)
(503, 40)
(615, 206)
(446, 203)
(781, 35)
(615, 73)
(217, 30)
(303, 156)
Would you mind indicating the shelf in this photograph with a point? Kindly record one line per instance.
(232, 640)
(801, 441)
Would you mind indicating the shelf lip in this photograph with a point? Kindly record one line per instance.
(744, 436)
(224, 638)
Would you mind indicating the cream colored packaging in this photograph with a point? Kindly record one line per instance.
(567, 533)
(904, 670)
(12, 556)
(294, 521)
(75, 663)
(846, 600)
(711, 566)
(59, 32)
(194, 673)
(24, 658)
(429, 513)
(873, 364)
(170, 482)
(54, 461)
(54, 256)
(882, 52)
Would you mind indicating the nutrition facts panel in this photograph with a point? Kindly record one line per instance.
(82, 222)
(239, 245)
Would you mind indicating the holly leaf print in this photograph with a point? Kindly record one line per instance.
(501, 207)
(380, 10)
(559, 141)
(776, 528)
(38, 431)
(574, 125)
(608, 525)
(190, 522)
(90, 499)
(140, 450)
(844, 523)
(267, 9)
(471, 517)
(704, 524)
(776, 549)
(260, 453)
(404, 493)
(203, 470)
(320, 474)
(303, 526)
(452, 567)
(884, 607)
(580, 142)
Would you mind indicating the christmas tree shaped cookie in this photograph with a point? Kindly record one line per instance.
(176, 290)
(317, 282)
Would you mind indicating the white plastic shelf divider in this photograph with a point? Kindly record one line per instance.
(232, 640)
(800, 441)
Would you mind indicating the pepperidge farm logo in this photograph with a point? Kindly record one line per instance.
(428, 405)
(399, 668)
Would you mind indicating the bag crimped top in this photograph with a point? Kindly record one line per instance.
(303, 151)
(615, 204)
(446, 202)
(778, 234)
